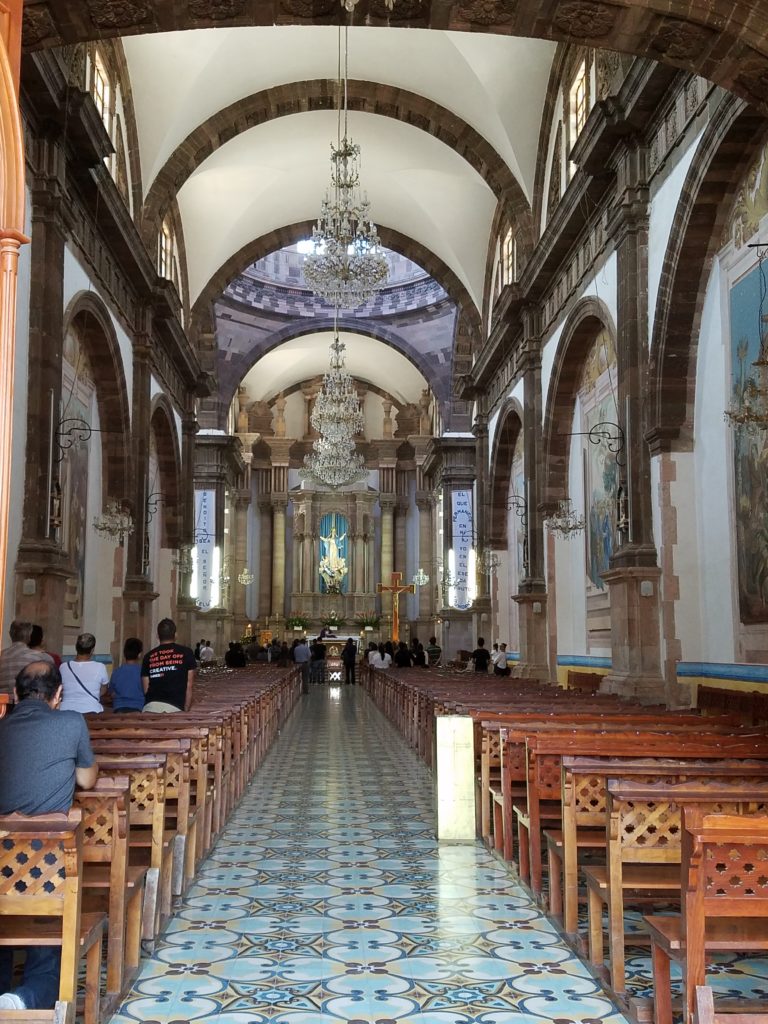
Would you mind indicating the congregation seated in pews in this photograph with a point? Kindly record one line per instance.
(104, 819)
(604, 809)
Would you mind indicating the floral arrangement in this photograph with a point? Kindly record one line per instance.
(333, 619)
(297, 621)
(368, 619)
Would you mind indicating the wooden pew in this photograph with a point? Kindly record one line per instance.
(644, 851)
(544, 751)
(40, 866)
(146, 774)
(725, 905)
(704, 1011)
(110, 885)
(585, 811)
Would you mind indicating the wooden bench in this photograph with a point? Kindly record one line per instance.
(725, 905)
(40, 868)
(110, 885)
(147, 847)
(585, 803)
(704, 1011)
(584, 682)
(644, 852)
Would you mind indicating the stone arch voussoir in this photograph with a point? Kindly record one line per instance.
(732, 139)
(587, 319)
(89, 316)
(163, 426)
(508, 431)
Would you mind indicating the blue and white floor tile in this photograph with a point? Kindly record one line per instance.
(328, 901)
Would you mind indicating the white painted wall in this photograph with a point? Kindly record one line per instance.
(713, 470)
(76, 280)
(570, 561)
(663, 206)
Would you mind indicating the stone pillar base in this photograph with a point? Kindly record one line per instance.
(42, 575)
(635, 635)
(532, 610)
(138, 595)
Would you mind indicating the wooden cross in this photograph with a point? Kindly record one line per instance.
(396, 588)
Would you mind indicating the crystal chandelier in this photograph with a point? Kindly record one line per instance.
(347, 265)
(420, 578)
(333, 464)
(487, 562)
(337, 414)
(565, 521)
(245, 577)
(114, 522)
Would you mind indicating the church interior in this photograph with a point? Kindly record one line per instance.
(523, 398)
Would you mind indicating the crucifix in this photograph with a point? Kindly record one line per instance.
(396, 588)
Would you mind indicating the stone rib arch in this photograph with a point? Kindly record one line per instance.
(588, 318)
(721, 40)
(202, 311)
(508, 431)
(163, 426)
(321, 94)
(732, 139)
(316, 326)
(88, 314)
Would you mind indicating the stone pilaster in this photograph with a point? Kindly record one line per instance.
(41, 567)
(425, 503)
(278, 556)
(265, 556)
(240, 547)
(387, 548)
(138, 590)
(633, 577)
(531, 598)
(482, 491)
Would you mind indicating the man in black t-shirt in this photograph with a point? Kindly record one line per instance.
(481, 656)
(168, 672)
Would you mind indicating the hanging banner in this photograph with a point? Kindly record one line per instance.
(205, 543)
(462, 532)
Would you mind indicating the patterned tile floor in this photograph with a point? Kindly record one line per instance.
(327, 900)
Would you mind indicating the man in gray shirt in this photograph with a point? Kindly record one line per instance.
(14, 658)
(44, 753)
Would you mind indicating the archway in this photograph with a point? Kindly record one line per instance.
(724, 41)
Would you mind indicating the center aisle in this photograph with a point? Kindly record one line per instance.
(327, 900)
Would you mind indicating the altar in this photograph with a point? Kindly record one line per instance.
(334, 666)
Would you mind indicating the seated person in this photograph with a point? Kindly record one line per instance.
(402, 657)
(84, 680)
(44, 753)
(420, 656)
(125, 683)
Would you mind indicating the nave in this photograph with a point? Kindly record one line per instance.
(327, 899)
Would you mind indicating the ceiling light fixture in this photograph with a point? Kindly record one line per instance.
(347, 265)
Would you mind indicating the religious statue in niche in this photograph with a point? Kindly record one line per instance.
(333, 566)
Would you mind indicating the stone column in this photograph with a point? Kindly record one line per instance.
(425, 503)
(185, 605)
(633, 576)
(240, 546)
(387, 548)
(401, 527)
(278, 557)
(359, 558)
(308, 582)
(41, 567)
(138, 591)
(531, 598)
(264, 606)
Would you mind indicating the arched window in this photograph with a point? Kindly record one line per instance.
(102, 91)
(509, 257)
(168, 256)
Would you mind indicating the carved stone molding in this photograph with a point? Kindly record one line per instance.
(38, 26)
(753, 77)
(680, 40)
(585, 19)
(118, 13)
(216, 10)
(487, 12)
(308, 8)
